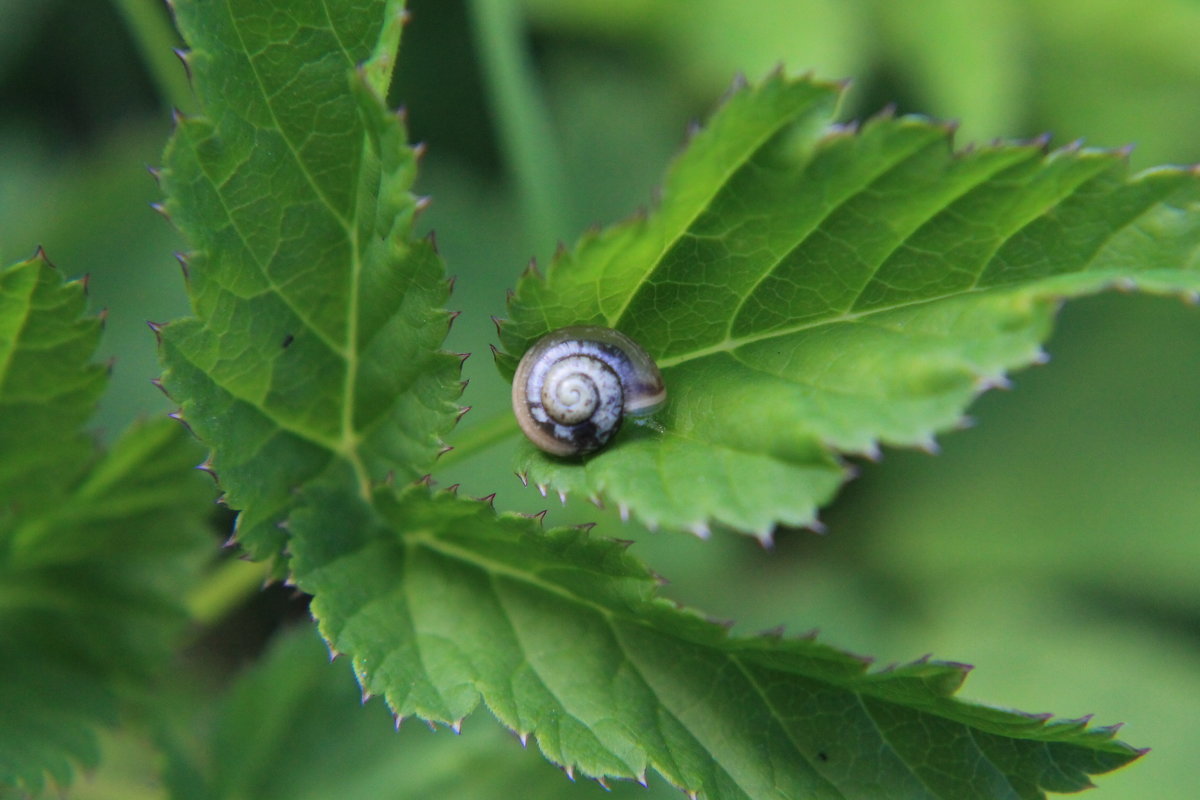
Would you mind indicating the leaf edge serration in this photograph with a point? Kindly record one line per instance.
(414, 518)
(532, 308)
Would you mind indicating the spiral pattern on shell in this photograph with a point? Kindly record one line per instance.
(574, 386)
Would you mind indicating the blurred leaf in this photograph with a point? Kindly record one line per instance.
(1140, 58)
(20, 20)
(293, 727)
(317, 319)
(92, 207)
(1108, 495)
(807, 291)
(967, 60)
(713, 40)
(91, 565)
(441, 602)
(47, 387)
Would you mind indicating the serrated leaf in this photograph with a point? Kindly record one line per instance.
(90, 580)
(441, 604)
(48, 388)
(809, 290)
(293, 727)
(317, 319)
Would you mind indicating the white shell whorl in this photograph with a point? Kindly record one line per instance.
(573, 387)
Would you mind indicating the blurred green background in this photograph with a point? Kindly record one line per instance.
(1055, 545)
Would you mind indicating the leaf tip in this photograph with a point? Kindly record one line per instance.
(995, 381)
(523, 477)
(206, 465)
(182, 259)
(532, 271)
(40, 255)
(928, 445)
(184, 58)
(885, 113)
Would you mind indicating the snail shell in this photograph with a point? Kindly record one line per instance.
(574, 386)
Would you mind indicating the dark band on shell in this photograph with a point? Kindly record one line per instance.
(573, 388)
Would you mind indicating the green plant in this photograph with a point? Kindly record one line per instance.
(810, 290)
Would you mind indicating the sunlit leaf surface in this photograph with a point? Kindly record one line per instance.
(810, 290)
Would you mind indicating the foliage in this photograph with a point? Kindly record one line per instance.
(93, 547)
(812, 290)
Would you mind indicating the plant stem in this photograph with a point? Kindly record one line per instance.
(224, 588)
(523, 121)
(157, 41)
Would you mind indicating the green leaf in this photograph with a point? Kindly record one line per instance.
(91, 564)
(809, 290)
(293, 727)
(441, 603)
(317, 320)
(47, 387)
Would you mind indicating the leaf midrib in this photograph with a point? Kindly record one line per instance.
(493, 568)
(348, 444)
(733, 343)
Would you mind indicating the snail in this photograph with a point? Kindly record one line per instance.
(575, 385)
